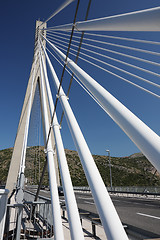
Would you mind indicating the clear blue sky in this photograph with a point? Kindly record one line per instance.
(17, 20)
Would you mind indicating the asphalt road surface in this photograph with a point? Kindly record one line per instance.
(141, 215)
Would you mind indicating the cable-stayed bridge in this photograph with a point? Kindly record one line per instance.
(130, 59)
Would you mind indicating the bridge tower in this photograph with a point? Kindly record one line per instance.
(18, 151)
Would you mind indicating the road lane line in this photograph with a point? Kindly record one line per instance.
(146, 215)
(136, 203)
(89, 202)
(90, 198)
(150, 205)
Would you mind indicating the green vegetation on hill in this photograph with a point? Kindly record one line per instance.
(134, 170)
(5, 157)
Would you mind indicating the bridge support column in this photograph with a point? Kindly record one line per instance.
(19, 141)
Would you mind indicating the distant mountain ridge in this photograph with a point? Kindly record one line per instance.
(134, 170)
(136, 155)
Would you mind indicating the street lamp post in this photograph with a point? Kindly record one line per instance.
(108, 151)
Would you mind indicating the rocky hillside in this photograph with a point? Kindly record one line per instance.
(134, 170)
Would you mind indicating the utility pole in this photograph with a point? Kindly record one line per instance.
(109, 159)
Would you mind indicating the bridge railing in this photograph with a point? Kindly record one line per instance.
(135, 189)
(151, 190)
(141, 190)
(37, 224)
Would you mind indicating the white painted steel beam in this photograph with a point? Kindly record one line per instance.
(146, 139)
(18, 153)
(64, 5)
(144, 20)
(109, 217)
(70, 200)
(57, 222)
(20, 184)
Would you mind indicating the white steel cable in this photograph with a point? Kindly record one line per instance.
(108, 36)
(122, 70)
(123, 46)
(143, 20)
(116, 75)
(123, 38)
(116, 37)
(57, 223)
(103, 202)
(76, 80)
(72, 210)
(65, 4)
(114, 59)
(120, 53)
(145, 138)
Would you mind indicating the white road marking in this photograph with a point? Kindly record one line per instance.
(87, 198)
(136, 203)
(146, 215)
(89, 202)
(150, 205)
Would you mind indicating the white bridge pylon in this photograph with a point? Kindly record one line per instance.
(34, 79)
(145, 139)
(15, 178)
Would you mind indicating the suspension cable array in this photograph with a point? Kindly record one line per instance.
(57, 40)
(63, 69)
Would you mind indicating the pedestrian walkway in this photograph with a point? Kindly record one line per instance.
(87, 229)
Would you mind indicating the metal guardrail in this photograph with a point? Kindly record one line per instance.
(35, 225)
(128, 190)
(143, 190)
(135, 189)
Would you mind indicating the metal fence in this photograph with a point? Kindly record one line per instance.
(36, 219)
(127, 189)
